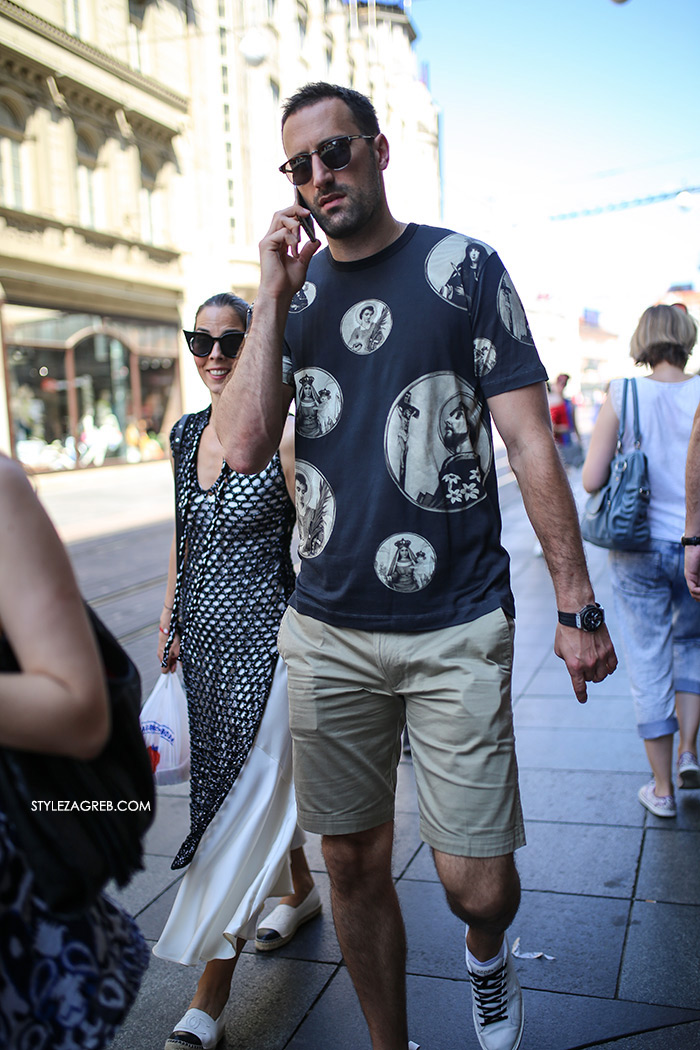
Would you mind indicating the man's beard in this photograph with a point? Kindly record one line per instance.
(359, 207)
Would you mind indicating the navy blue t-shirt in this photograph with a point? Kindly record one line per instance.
(392, 359)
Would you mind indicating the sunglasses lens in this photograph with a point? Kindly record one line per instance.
(336, 154)
(231, 343)
(299, 170)
(200, 344)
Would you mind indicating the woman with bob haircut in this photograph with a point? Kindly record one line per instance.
(659, 622)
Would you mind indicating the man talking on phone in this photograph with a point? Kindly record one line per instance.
(403, 608)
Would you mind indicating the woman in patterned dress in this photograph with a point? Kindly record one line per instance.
(220, 619)
(64, 983)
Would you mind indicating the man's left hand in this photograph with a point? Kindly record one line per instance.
(589, 656)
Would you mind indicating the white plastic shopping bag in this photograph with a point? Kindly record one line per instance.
(166, 731)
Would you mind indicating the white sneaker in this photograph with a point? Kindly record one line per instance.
(688, 770)
(497, 1004)
(659, 805)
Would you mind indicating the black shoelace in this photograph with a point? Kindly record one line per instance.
(490, 995)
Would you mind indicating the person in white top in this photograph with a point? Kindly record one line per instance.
(658, 620)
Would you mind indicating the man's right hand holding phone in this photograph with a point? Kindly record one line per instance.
(283, 264)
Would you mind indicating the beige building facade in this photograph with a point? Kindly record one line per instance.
(139, 147)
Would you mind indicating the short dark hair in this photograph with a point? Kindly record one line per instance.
(363, 112)
(664, 333)
(240, 306)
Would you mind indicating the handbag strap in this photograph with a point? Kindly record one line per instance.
(635, 405)
(175, 444)
(623, 415)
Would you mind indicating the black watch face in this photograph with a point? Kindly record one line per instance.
(592, 618)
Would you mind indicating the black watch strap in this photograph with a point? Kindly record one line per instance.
(690, 541)
(590, 618)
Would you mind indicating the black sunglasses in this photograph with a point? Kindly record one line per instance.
(335, 154)
(201, 343)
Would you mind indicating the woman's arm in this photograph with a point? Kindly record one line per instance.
(58, 702)
(596, 469)
(287, 456)
(167, 615)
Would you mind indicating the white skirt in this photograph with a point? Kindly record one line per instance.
(243, 856)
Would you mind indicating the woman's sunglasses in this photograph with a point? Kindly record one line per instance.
(201, 343)
(335, 154)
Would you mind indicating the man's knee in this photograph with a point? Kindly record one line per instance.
(482, 891)
(359, 857)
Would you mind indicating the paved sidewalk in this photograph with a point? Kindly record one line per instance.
(610, 891)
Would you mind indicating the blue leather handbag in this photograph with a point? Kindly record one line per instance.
(616, 515)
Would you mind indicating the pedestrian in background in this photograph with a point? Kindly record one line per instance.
(64, 983)
(692, 511)
(659, 622)
(221, 614)
(563, 415)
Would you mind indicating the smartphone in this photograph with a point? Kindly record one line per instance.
(305, 221)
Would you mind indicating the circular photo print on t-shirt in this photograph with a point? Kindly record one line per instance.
(484, 356)
(405, 562)
(319, 402)
(454, 266)
(436, 446)
(303, 298)
(511, 311)
(315, 505)
(366, 325)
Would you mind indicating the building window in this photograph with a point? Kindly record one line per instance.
(151, 204)
(231, 199)
(222, 8)
(10, 158)
(302, 22)
(146, 202)
(222, 41)
(71, 16)
(224, 79)
(89, 203)
(227, 117)
(271, 5)
(137, 50)
(229, 157)
(275, 92)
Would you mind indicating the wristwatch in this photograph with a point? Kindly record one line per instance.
(690, 541)
(590, 618)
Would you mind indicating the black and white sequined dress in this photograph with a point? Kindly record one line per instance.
(229, 600)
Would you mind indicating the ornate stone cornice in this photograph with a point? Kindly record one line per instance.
(91, 54)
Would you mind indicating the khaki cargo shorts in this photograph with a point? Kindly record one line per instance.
(350, 694)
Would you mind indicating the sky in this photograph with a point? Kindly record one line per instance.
(550, 107)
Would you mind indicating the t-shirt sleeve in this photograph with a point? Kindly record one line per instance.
(504, 351)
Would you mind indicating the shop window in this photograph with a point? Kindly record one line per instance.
(102, 382)
(39, 408)
(11, 135)
(87, 392)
